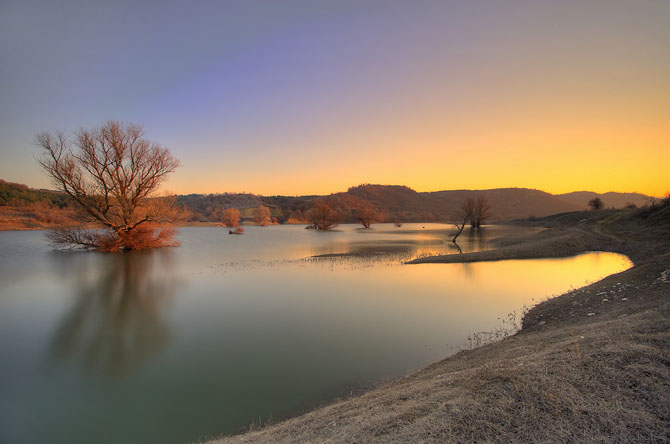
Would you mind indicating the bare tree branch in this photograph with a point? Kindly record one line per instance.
(110, 172)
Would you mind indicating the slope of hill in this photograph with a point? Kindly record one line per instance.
(16, 194)
(610, 200)
(23, 208)
(398, 203)
(506, 203)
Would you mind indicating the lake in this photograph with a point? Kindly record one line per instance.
(179, 344)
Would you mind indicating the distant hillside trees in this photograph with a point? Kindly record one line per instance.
(596, 204)
(262, 216)
(296, 217)
(111, 172)
(210, 207)
(14, 194)
(231, 217)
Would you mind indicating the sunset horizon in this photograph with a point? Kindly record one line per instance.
(301, 98)
(334, 221)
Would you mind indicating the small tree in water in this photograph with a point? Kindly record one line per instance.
(231, 217)
(480, 211)
(465, 212)
(367, 215)
(322, 215)
(112, 172)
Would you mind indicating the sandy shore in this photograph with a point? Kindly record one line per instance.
(589, 366)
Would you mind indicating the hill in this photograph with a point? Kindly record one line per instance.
(16, 194)
(25, 208)
(397, 202)
(507, 203)
(402, 203)
(610, 200)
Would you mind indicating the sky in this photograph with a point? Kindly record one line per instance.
(312, 97)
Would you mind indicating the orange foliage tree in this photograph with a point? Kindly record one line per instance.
(112, 173)
(366, 214)
(231, 217)
(322, 215)
(262, 216)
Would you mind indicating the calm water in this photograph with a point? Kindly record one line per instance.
(183, 343)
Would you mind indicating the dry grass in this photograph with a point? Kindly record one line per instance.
(35, 217)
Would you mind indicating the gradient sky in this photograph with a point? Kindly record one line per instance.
(311, 97)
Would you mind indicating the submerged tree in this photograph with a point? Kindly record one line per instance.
(262, 216)
(480, 211)
(367, 215)
(465, 213)
(322, 215)
(112, 173)
(231, 217)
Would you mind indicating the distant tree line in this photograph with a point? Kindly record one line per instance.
(14, 194)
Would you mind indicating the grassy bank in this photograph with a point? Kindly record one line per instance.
(589, 366)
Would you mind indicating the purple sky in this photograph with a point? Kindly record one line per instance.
(311, 97)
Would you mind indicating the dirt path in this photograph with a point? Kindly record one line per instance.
(589, 366)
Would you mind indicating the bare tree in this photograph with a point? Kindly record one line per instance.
(367, 215)
(465, 213)
(262, 216)
(322, 215)
(231, 217)
(480, 211)
(112, 172)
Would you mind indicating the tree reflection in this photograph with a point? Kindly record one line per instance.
(477, 239)
(467, 266)
(115, 322)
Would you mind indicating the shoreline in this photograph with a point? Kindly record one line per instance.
(590, 365)
(550, 243)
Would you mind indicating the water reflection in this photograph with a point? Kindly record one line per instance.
(397, 246)
(406, 244)
(115, 323)
(477, 239)
(258, 330)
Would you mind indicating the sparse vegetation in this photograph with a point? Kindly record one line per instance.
(596, 204)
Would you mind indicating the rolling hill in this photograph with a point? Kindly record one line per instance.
(397, 202)
(610, 200)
